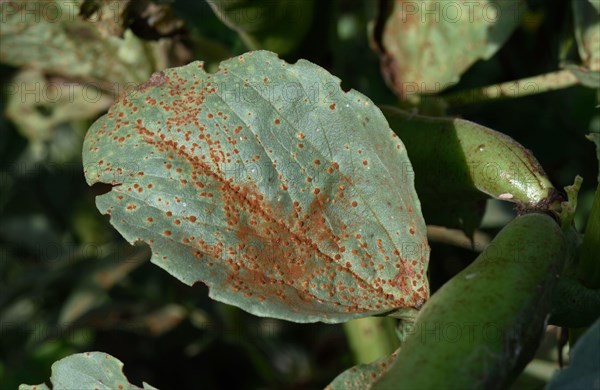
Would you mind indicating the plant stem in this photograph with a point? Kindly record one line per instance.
(513, 89)
(371, 338)
(588, 265)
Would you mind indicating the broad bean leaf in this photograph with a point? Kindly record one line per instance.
(89, 370)
(287, 196)
(426, 45)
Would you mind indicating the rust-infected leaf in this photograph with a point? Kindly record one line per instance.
(288, 197)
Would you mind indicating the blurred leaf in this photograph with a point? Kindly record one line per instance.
(426, 45)
(584, 369)
(89, 370)
(587, 33)
(72, 47)
(596, 4)
(458, 163)
(278, 26)
(164, 319)
(41, 108)
(76, 65)
(288, 206)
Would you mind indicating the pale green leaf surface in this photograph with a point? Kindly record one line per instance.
(89, 370)
(428, 44)
(288, 197)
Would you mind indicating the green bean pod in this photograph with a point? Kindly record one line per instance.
(463, 163)
(481, 328)
(464, 154)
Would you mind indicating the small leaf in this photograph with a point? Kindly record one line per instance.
(426, 45)
(89, 370)
(287, 196)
